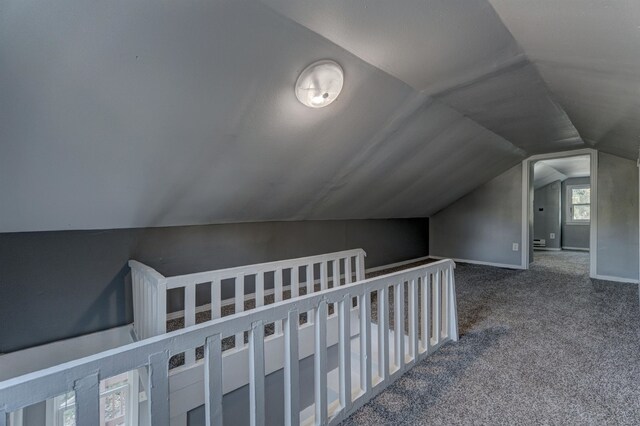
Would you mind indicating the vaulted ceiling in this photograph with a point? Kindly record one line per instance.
(132, 113)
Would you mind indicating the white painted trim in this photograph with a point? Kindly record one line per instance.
(232, 300)
(593, 238)
(526, 202)
(615, 279)
(546, 249)
(397, 264)
(479, 262)
(575, 248)
(16, 418)
(153, 353)
(268, 292)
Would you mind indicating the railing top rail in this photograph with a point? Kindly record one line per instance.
(186, 279)
(134, 264)
(40, 385)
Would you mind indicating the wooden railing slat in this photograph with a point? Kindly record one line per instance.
(278, 295)
(320, 363)
(158, 389)
(189, 319)
(87, 391)
(213, 380)
(295, 282)
(344, 324)
(291, 370)
(256, 374)
(259, 293)
(426, 311)
(436, 307)
(216, 299)
(84, 373)
(364, 302)
(310, 289)
(413, 319)
(239, 307)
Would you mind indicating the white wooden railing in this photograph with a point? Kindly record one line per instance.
(428, 292)
(150, 288)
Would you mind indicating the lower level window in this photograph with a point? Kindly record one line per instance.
(118, 403)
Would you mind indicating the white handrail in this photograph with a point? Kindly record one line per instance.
(150, 288)
(439, 325)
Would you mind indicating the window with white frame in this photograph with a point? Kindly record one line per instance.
(118, 403)
(578, 204)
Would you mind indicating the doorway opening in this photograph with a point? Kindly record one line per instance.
(559, 208)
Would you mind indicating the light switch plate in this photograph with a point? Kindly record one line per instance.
(552, 236)
(515, 247)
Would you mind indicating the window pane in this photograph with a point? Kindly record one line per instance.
(582, 212)
(581, 196)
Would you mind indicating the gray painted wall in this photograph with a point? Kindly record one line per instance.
(482, 225)
(42, 273)
(617, 217)
(574, 235)
(546, 214)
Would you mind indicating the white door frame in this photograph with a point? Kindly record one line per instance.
(527, 203)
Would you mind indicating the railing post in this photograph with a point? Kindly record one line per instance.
(291, 370)
(158, 389)
(135, 291)
(3, 418)
(87, 392)
(213, 380)
(161, 320)
(360, 271)
(398, 329)
(453, 308)
(256, 374)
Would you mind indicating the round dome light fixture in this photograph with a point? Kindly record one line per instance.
(320, 83)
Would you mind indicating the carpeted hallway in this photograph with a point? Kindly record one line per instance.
(544, 346)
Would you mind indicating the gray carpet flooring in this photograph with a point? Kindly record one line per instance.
(544, 346)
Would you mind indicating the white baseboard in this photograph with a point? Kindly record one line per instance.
(615, 279)
(575, 248)
(397, 264)
(546, 249)
(479, 262)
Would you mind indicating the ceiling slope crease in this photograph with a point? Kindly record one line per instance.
(132, 114)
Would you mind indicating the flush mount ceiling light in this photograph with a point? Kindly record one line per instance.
(320, 83)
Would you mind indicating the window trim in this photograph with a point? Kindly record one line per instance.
(52, 404)
(569, 205)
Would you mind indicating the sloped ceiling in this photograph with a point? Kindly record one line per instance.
(547, 171)
(132, 113)
(588, 53)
